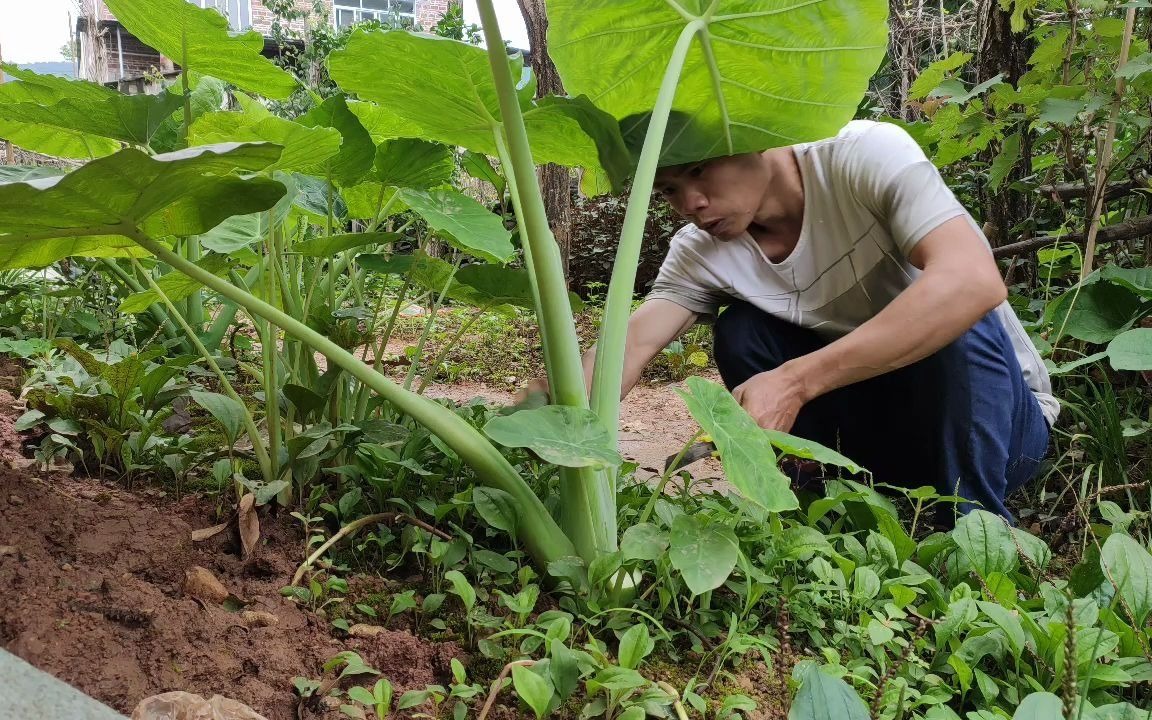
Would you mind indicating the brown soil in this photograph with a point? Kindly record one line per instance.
(91, 592)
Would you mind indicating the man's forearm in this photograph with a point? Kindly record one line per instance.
(634, 363)
(932, 312)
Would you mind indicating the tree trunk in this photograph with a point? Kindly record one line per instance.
(1004, 52)
(555, 180)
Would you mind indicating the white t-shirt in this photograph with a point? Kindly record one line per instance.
(870, 195)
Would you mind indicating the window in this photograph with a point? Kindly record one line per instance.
(238, 12)
(350, 12)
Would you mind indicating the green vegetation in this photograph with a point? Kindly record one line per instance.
(215, 299)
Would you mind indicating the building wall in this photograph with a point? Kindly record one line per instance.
(262, 17)
(429, 12)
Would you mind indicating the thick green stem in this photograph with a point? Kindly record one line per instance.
(270, 349)
(609, 368)
(541, 535)
(258, 447)
(587, 498)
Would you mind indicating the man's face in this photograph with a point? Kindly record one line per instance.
(720, 196)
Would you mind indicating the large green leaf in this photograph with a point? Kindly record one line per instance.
(1129, 566)
(1131, 350)
(128, 118)
(745, 450)
(562, 435)
(762, 73)
(462, 222)
(182, 193)
(411, 163)
(985, 541)
(455, 101)
(47, 90)
(200, 40)
(207, 96)
(1095, 311)
(824, 697)
(357, 150)
(704, 551)
(305, 148)
(799, 447)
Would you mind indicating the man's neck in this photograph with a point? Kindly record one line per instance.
(777, 227)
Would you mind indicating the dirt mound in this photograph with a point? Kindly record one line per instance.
(92, 594)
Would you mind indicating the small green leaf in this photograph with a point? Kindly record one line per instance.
(931, 76)
(361, 695)
(643, 541)
(703, 551)
(563, 668)
(227, 411)
(808, 450)
(985, 541)
(497, 507)
(29, 420)
(462, 588)
(823, 697)
(635, 645)
(535, 690)
(563, 435)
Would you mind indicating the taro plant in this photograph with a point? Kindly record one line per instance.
(712, 77)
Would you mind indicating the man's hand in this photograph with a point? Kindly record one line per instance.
(773, 398)
(534, 387)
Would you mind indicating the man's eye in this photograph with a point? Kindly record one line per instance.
(667, 192)
(696, 171)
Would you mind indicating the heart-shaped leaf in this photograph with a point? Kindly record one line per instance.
(759, 74)
(745, 450)
(704, 552)
(357, 150)
(455, 103)
(305, 148)
(463, 222)
(562, 435)
(201, 40)
(183, 193)
(823, 697)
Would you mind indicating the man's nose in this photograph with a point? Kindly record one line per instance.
(694, 201)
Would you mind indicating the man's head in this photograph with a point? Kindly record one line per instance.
(725, 195)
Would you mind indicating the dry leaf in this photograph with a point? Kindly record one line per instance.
(249, 525)
(186, 706)
(361, 630)
(200, 583)
(211, 532)
(256, 618)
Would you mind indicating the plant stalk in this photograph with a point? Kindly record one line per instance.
(541, 535)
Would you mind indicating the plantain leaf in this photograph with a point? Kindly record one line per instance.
(199, 39)
(83, 213)
(1131, 350)
(760, 74)
(1129, 567)
(824, 697)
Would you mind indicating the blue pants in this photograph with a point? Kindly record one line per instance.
(962, 420)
